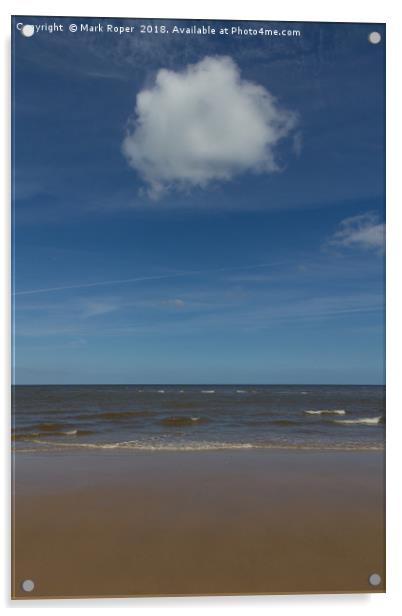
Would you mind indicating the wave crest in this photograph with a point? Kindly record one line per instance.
(327, 412)
(365, 421)
(181, 420)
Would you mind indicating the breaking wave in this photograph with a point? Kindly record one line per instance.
(366, 421)
(327, 412)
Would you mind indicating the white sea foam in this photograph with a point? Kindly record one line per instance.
(148, 446)
(366, 421)
(161, 391)
(206, 446)
(241, 391)
(327, 412)
(208, 391)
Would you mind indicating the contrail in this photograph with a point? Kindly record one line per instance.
(96, 284)
(145, 278)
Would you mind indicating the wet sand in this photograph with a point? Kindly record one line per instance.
(116, 524)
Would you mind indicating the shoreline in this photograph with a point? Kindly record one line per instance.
(88, 448)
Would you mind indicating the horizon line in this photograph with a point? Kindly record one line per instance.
(178, 384)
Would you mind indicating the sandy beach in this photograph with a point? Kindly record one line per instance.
(109, 524)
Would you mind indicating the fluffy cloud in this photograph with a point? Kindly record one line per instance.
(363, 231)
(204, 124)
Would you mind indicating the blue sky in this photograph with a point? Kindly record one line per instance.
(228, 229)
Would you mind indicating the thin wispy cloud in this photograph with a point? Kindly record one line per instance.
(243, 314)
(96, 308)
(204, 124)
(174, 303)
(364, 232)
(101, 283)
(87, 285)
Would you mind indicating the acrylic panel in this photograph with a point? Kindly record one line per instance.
(198, 399)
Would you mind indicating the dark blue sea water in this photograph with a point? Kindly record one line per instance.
(197, 417)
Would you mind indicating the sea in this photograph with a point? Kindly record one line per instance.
(197, 417)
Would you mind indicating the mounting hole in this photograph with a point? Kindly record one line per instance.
(375, 579)
(27, 30)
(27, 585)
(374, 38)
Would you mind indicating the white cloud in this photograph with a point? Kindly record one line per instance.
(175, 303)
(204, 124)
(97, 307)
(364, 231)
